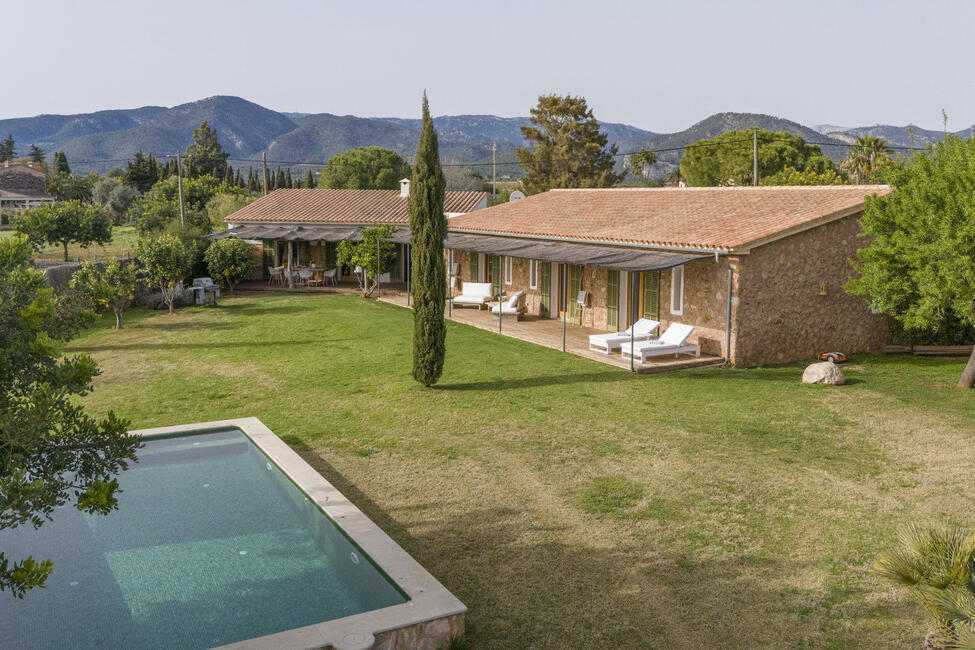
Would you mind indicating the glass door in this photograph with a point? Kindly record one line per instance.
(612, 300)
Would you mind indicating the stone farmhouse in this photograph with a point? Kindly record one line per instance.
(758, 271)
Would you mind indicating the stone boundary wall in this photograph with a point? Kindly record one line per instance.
(791, 300)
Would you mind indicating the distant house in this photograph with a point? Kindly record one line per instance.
(22, 187)
(758, 271)
(305, 225)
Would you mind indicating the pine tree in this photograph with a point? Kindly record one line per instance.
(309, 180)
(7, 149)
(36, 154)
(428, 227)
(61, 163)
(279, 181)
(288, 182)
(205, 155)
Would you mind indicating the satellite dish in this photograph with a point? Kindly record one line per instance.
(517, 194)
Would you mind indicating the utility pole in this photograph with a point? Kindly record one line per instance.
(179, 182)
(494, 167)
(264, 160)
(755, 157)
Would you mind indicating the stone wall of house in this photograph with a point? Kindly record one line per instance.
(791, 300)
(432, 635)
(705, 304)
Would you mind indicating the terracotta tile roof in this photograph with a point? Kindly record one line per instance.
(709, 218)
(341, 206)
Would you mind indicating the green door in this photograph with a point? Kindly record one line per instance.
(494, 272)
(473, 259)
(651, 295)
(612, 300)
(575, 280)
(545, 287)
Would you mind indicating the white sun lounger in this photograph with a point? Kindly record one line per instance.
(641, 331)
(673, 341)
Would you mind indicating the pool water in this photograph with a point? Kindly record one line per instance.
(210, 544)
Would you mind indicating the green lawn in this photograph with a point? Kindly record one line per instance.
(124, 241)
(571, 504)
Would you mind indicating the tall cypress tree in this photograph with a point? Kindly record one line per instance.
(428, 227)
(279, 182)
(252, 181)
(288, 182)
(228, 176)
(237, 181)
(309, 179)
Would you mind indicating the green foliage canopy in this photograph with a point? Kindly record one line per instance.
(792, 176)
(66, 186)
(142, 172)
(64, 223)
(114, 196)
(728, 158)
(364, 168)
(919, 267)
(229, 261)
(7, 148)
(165, 262)
(363, 254)
(61, 163)
(114, 288)
(51, 451)
(567, 147)
(869, 160)
(205, 156)
(428, 228)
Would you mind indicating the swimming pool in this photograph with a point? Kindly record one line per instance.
(223, 536)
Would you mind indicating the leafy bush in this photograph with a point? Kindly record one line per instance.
(229, 261)
(112, 288)
(166, 261)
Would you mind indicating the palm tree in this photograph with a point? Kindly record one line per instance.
(864, 156)
(937, 566)
(641, 162)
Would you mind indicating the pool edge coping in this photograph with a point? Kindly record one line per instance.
(428, 599)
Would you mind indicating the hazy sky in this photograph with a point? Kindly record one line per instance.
(658, 65)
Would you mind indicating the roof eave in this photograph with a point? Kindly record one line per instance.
(596, 242)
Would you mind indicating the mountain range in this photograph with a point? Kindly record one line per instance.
(105, 139)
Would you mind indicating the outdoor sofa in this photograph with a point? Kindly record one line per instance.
(474, 294)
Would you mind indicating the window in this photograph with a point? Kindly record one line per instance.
(507, 270)
(532, 274)
(677, 290)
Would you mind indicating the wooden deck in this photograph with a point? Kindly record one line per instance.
(548, 332)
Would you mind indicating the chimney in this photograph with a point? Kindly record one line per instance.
(404, 188)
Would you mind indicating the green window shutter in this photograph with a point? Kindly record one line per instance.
(473, 260)
(575, 279)
(651, 295)
(545, 287)
(612, 300)
(494, 272)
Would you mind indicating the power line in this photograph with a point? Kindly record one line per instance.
(516, 162)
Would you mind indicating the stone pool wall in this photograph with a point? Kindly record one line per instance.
(435, 634)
